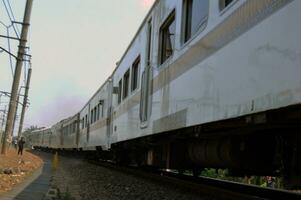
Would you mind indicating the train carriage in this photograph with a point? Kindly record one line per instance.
(94, 127)
(209, 71)
(69, 132)
(35, 138)
(46, 137)
(203, 84)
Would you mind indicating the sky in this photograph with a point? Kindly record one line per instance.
(75, 45)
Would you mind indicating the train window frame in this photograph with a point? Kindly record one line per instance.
(98, 109)
(86, 121)
(223, 7)
(149, 41)
(91, 116)
(135, 75)
(101, 105)
(119, 99)
(171, 19)
(187, 19)
(126, 84)
(95, 116)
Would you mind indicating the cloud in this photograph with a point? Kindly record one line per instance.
(59, 108)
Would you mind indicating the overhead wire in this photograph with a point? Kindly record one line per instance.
(12, 13)
(11, 19)
(9, 49)
(3, 24)
(25, 68)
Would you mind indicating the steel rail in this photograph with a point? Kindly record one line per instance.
(204, 186)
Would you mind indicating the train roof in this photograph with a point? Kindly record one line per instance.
(124, 54)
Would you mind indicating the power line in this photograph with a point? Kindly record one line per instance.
(12, 13)
(10, 57)
(10, 18)
(3, 24)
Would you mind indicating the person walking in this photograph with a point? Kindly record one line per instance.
(21, 146)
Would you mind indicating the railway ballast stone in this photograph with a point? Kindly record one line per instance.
(79, 180)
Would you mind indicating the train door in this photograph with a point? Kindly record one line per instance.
(146, 81)
(61, 132)
(109, 112)
(88, 123)
(77, 129)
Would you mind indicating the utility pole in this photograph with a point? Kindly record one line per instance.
(3, 120)
(16, 81)
(24, 103)
(16, 112)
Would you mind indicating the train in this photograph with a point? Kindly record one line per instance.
(202, 84)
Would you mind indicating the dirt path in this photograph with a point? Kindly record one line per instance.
(14, 168)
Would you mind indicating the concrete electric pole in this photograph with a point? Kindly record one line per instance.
(16, 81)
(24, 103)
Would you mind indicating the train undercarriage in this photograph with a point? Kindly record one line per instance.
(263, 144)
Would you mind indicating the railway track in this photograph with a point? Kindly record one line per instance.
(203, 186)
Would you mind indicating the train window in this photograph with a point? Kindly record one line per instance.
(119, 91)
(101, 108)
(98, 111)
(126, 80)
(167, 38)
(95, 114)
(195, 13)
(135, 73)
(224, 4)
(86, 121)
(91, 116)
(149, 41)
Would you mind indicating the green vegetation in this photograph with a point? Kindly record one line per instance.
(224, 174)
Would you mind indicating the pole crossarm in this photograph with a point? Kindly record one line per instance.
(12, 38)
(8, 93)
(22, 23)
(6, 51)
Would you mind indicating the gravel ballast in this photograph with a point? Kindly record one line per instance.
(78, 179)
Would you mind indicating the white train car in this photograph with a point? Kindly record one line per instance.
(46, 137)
(70, 132)
(35, 138)
(230, 64)
(204, 83)
(56, 137)
(94, 127)
(198, 67)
